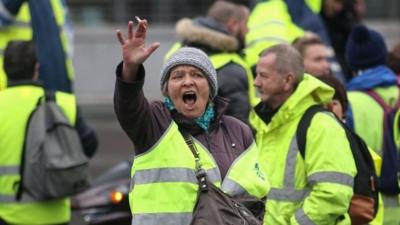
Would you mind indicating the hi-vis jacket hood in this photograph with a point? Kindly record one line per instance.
(309, 91)
(208, 32)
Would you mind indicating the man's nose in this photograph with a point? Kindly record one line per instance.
(256, 82)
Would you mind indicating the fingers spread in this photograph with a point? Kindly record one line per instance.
(120, 37)
(141, 29)
(153, 47)
(130, 29)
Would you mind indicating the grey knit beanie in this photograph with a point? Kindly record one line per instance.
(194, 57)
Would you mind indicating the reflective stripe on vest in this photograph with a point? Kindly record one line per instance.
(269, 24)
(171, 175)
(289, 193)
(7, 170)
(166, 218)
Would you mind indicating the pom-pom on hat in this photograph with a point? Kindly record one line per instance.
(194, 57)
(365, 48)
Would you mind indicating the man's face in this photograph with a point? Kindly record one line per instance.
(271, 85)
(316, 60)
(189, 90)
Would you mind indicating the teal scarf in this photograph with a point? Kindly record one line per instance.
(203, 121)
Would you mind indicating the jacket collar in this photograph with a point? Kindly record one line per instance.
(310, 91)
(380, 76)
(206, 32)
(190, 126)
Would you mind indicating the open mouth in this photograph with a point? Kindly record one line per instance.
(189, 97)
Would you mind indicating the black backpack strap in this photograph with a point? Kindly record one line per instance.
(302, 127)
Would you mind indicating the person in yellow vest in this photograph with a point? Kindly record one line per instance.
(366, 54)
(17, 102)
(46, 23)
(164, 184)
(220, 34)
(282, 21)
(339, 105)
(318, 188)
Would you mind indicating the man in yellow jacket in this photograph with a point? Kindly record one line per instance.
(314, 190)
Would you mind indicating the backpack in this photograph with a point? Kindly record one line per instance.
(390, 165)
(364, 203)
(53, 164)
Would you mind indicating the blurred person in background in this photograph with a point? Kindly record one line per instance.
(46, 22)
(17, 102)
(366, 54)
(340, 16)
(220, 34)
(283, 21)
(315, 54)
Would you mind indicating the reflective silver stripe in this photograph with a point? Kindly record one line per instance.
(7, 198)
(287, 194)
(276, 39)
(270, 22)
(331, 177)
(164, 175)
(171, 175)
(290, 166)
(213, 175)
(302, 218)
(162, 218)
(232, 188)
(6, 170)
(11, 199)
(22, 24)
(390, 201)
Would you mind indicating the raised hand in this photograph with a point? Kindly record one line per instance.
(134, 50)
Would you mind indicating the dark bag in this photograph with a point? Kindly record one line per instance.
(388, 179)
(54, 164)
(213, 206)
(364, 203)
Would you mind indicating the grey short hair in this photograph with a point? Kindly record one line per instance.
(288, 60)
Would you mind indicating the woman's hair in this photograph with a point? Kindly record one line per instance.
(340, 90)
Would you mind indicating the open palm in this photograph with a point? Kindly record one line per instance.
(134, 50)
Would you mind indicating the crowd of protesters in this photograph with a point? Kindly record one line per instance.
(235, 85)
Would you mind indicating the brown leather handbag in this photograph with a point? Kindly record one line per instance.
(213, 206)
